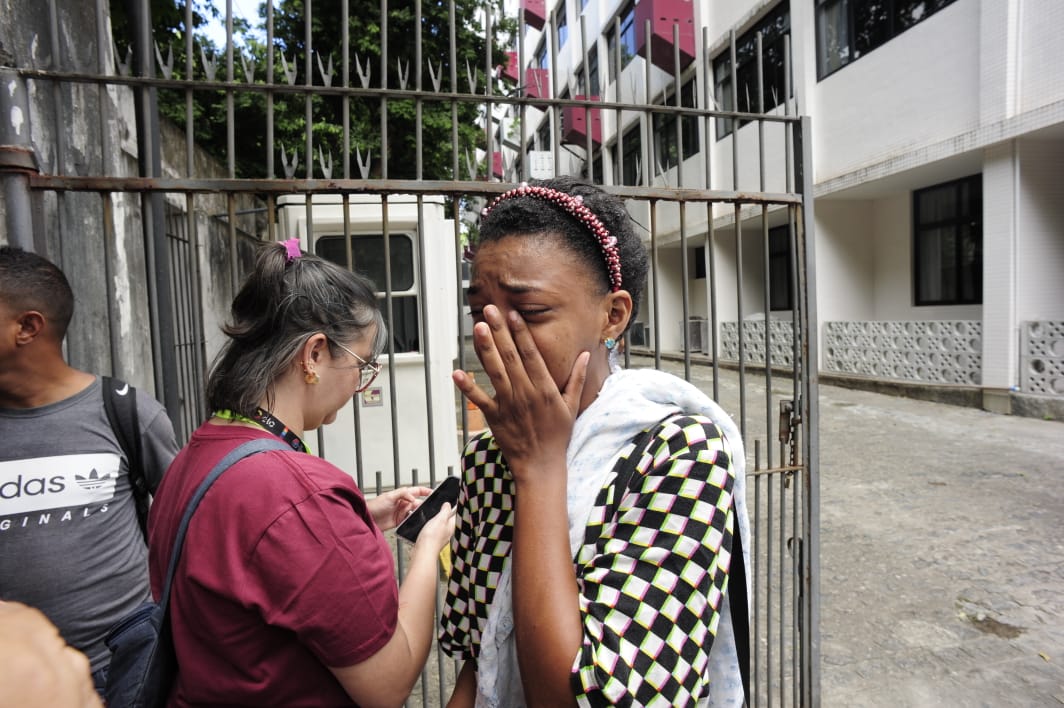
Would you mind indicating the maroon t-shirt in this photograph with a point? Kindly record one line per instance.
(283, 574)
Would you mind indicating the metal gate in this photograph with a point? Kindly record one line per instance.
(156, 232)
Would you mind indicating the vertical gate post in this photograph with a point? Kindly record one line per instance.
(156, 255)
(17, 159)
(810, 411)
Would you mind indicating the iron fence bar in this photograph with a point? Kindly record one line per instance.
(419, 138)
(646, 115)
(384, 92)
(55, 60)
(739, 317)
(711, 292)
(767, 278)
(109, 260)
(460, 313)
(308, 98)
(102, 43)
(149, 160)
(734, 87)
(356, 409)
(489, 112)
(685, 294)
(755, 572)
(270, 94)
(585, 72)
(522, 108)
(425, 341)
(811, 425)
(74, 183)
(190, 133)
(197, 304)
(345, 103)
(678, 118)
(780, 592)
(770, 493)
(453, 49)
(654, 281)
(230, 113)
(384, 109)
(618, 67)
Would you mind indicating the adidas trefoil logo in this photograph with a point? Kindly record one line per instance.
(92, 481)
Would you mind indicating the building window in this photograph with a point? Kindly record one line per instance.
(665, 147)
(780, 278)
(541, 56)
(773, 28)
(592, 76)
(543, 140)
(948, 243)
(367, 256)
(632, 145)
(846, 30)
(697, 262)
(562, 24)
(626, 45)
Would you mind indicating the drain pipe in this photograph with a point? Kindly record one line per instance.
(17, 158)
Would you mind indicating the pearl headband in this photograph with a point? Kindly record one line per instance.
(575, 206)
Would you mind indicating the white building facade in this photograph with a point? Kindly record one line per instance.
(937, 145)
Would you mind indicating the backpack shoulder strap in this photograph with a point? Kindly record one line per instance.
(120, 405)
(737, 591)
(246, 449)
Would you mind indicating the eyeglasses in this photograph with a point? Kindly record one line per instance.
(367, 369)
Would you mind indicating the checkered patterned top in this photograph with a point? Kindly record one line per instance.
(652, 575)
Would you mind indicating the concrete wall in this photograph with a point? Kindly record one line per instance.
(846, 244)
(1040, 231)
(79, 129)
(918, 88)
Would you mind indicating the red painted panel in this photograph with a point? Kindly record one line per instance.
(663, 15)
(575, 119)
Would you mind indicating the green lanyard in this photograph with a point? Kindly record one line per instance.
(266, 420)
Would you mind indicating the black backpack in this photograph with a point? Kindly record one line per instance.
(120, 404)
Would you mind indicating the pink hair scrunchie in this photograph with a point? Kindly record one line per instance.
(291, 249)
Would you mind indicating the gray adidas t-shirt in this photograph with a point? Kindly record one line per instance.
(70, 543)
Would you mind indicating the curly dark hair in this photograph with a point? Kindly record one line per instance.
(528, 216)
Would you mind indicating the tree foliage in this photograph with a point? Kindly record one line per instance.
(209, 107)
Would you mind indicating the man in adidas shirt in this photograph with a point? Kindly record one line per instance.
(70, 542)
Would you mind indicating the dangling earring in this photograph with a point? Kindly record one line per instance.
(610, 343)
(310, 375)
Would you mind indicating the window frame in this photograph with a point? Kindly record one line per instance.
(892, 18)
(779, 249)
(401, 297)
(772, 44)
(966, 227)
(627, 40)
(665, 126)
(631, 137)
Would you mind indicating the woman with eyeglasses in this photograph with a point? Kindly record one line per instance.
(285, 593)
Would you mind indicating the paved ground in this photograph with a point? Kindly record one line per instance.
(942, 550)
(942, 555)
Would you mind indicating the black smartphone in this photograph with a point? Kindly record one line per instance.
(447, 491)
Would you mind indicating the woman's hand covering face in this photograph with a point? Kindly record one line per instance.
(529, 416)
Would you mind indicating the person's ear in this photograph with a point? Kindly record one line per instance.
(314, 348)
(618, 312)
(30, 326)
